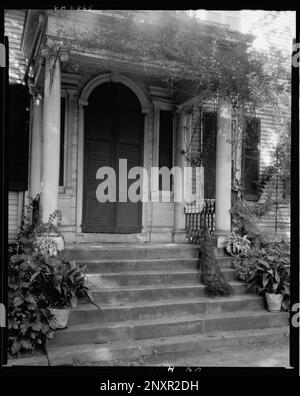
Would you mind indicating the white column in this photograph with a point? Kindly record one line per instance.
(80, 159)
(36, 147)
(223, 169)
(51, 138)
(179, 216)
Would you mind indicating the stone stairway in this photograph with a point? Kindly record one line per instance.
(155, 307)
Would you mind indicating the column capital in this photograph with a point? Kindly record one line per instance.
(54, 53)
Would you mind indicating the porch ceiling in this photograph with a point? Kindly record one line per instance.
(75, 32)
(82, 66)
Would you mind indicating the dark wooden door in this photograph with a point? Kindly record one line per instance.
(113, 131)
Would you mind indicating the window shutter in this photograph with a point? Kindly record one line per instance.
(165, 142)
(250, 164)
(209, 154)
(62, 141)
(18, 137)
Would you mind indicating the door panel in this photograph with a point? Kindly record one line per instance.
(99, 153)
(128, 213)
(113, 131)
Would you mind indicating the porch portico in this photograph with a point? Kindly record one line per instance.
(159, 221)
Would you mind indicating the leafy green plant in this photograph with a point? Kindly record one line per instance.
(63, 282)
(39, 281)
(68, 282)
(270, 278)
(243, 267)
(30, 218)
(272, 275)
(266, 268)
(34, 235)
(50, 227)
(237, 245)
(32, 226)
(30, 322)
(45, 245)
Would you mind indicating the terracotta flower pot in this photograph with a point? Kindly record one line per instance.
(274, 301)
(61, 316)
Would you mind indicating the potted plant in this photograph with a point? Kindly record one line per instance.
(62, 291)
(67, 283)
(41, 281)
(272, 279)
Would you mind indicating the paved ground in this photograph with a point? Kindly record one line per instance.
(251, 355)
(241, 356)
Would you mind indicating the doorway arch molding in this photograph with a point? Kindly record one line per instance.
(117, 78)
(146, 108)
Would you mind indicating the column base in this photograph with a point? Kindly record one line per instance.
(144, 237)
(161, 235)
(180, 237)
(220, 238)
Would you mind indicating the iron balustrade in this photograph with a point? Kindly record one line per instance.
(197, 217)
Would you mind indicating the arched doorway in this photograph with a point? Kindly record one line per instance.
(113, 130)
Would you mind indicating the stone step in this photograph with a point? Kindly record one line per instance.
(88, 313)
(156, 351)
(155, 292)
(140, 251)
(108, 280)
(109, 266)
(113, 265)
(105, 333)
(224, 261)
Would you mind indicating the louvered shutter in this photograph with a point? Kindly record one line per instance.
(113, 131)
(250, 164)
(209, 154)
(18, 137)
(129, 146)
(98, 217)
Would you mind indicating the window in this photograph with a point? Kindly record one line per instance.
(62, 141)
(165, 143)
(250, 163)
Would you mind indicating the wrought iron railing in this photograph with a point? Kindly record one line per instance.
(199, 216)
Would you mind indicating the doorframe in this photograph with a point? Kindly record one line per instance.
(146, 108)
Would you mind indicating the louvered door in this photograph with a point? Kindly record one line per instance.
(113, 131)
